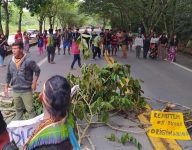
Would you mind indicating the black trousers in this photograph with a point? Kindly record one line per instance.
(97, 51)
(76, 58)
(50, 53)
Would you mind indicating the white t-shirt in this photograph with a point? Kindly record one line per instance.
(154, 40)
(139, 41)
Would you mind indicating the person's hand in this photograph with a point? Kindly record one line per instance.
(6, 92)
(34, 86)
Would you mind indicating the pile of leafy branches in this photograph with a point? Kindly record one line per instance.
(103, 90)
(37, 105)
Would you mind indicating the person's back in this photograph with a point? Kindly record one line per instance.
(75, 48)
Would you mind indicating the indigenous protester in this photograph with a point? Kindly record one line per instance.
(4, 136)
(163, 41)
(67, 40)
(154, 46)
(57, 131)
(114, 44)
(93, 35)
(107, 40)
(76, 52)
(57, 41)
(130, 40)
(3, 51)
(96, 44)
(26, 42)
(146, 46)
(40, 44)
(173, 48)
(139, 45)
(45, 39)
(124, 44)
(87, 38)
(50, 47)
(22, 75)
(18, 37)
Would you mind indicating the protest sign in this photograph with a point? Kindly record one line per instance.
(168, 125)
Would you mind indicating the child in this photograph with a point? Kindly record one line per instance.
(139, 45)
(40, 44)
(76, 52)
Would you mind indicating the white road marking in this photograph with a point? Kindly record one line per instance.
(183, 67)
(40, 63)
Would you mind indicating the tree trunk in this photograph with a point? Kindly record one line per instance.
(50, 22)
(41, 19)
(1, 28)
(5, 6)
(20, 18)
(44, 23)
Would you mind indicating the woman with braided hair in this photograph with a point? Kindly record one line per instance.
(56, 131)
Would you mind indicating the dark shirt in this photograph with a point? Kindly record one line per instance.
(174, 42)
(107, 39)
(163, 40)
(2, 124)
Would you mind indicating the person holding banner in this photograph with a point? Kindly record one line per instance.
(56, 131)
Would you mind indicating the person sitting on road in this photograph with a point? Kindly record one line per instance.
(56, 131)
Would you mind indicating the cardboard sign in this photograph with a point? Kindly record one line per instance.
(20, 131)
(168, 125)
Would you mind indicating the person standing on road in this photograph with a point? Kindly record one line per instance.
(139, 45)
(97, 50)
(3, 51)
(45, 39)
(114, 43)
(173, 48)
(146, 45)
(76, 52)
(163, 41)
(18, 37)
(130, 40)
(124, 42)
(154, 46)
(107, 40)
(57, 41)
(50, 47)
(40, 44)
(22, 75)
(26, 42)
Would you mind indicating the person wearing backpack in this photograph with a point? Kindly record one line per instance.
(50, 48)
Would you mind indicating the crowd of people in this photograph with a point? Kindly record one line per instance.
(23, 74)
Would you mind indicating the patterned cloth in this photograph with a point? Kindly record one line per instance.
(172, 53)
(54, 133)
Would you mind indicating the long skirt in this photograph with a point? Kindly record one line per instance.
(153, 51)
(172, 54)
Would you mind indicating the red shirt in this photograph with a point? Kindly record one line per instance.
(18, 37)
(114, 40)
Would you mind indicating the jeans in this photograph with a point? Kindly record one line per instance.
(23, 102)
(76, 58)
(50, 53)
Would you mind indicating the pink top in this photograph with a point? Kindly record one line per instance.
(75, 48)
